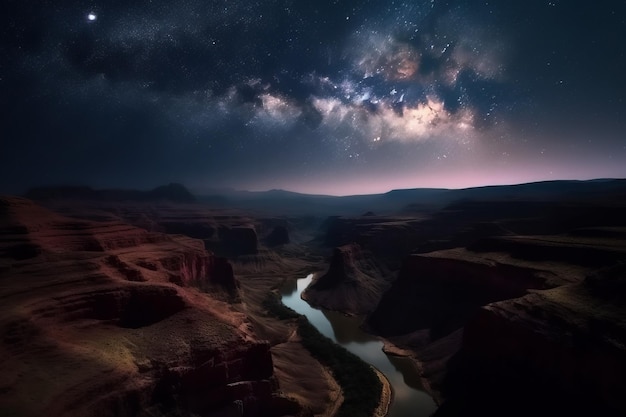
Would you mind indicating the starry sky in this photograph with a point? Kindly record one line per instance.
(333, 97)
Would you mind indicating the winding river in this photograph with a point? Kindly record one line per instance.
(409, 397)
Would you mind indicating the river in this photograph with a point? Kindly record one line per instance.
(409, 397)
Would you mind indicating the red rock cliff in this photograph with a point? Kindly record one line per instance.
(104, 319)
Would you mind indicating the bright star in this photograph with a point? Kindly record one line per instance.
(92, 16)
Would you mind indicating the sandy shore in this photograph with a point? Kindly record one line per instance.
(385, 396)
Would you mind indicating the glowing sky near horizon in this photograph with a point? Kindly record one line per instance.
(332, 97)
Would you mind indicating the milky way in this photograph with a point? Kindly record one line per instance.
(328, 97)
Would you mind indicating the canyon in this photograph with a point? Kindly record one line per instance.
(507, 300)
(105, 318)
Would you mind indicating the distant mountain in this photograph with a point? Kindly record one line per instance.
(173, 192)
(288, 202)
(407, 201)
(416, 199)
(544, 190)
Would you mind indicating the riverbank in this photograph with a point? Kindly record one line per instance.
(400, 380)
(336, 392)
(386, 395)
(429, 358)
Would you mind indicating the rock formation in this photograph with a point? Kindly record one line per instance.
(353, 283)
(278, 236)
(384, 236)
(105, 319)
(491, 297)
(238, 240)
(439, 291)
(520, 331)
(227, 233)
(563, 348)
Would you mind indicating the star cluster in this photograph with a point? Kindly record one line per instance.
(366, 96)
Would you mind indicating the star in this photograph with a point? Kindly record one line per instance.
(403, 83)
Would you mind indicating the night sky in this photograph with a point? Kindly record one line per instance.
(333, 97)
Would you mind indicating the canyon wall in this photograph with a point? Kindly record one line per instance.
(554, 352)
(106, 319)
(438, 291)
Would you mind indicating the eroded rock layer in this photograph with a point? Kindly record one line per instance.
(564, 348)
(352, 284)
(520, 325)
(438, 291)
(106, 319)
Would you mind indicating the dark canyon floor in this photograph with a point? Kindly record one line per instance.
(510, 300)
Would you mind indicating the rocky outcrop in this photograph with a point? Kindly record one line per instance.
(229, 236)
(474, 214)
(386, 237)
(105, 319)
(353, 283)
(516, 332)
(225, 233)
(534, 355)
(238, 240)
(233, 381)
(192, 269)
(589, 247)
(439, 291)
(278, 236)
